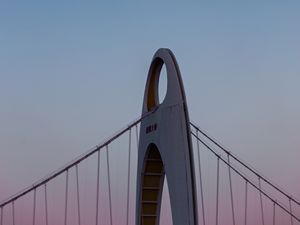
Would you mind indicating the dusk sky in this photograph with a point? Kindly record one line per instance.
(72, 73)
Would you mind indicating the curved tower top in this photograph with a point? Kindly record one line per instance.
(165, 148)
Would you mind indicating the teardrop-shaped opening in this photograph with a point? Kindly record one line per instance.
(158, 84)
(165, 210)
(162, 84)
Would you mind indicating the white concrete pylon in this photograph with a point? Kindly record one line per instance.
(165, 148)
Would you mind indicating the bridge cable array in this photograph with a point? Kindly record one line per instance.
(296, 201)
(234, 167)
(218, 151)
(66, 170)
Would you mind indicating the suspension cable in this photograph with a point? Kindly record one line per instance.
(78, 197)
(46, 203)
(1, 219)
(245, 165)
(73, 162)
(274, 205)
(231, 192)
(291, 211)
(34, 206)
(13, 213)
(66, 197)
(109, 188)
(246, 200)
(229, 167)
(98, 184)
(250, 182)
(261, 203)
(201, 185)
(217, 197)
(128, 177)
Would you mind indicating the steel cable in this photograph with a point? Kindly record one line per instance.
(66, 197)
(241, 175)
(46, 204)
(1, 219)
(291, 211)
(231, 192)
(13, 213)
(78, 197)
(72, 163)
(245, 165)
(34, 206)
(246, 200)
(217, 197)
(261, 203)
(98, 184)
(128, 177)
(109, 188)
(274, 205)
(201, 185)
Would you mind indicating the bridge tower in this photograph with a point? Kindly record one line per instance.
(165, 148)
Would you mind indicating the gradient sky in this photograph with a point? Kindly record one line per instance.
(72, 73)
